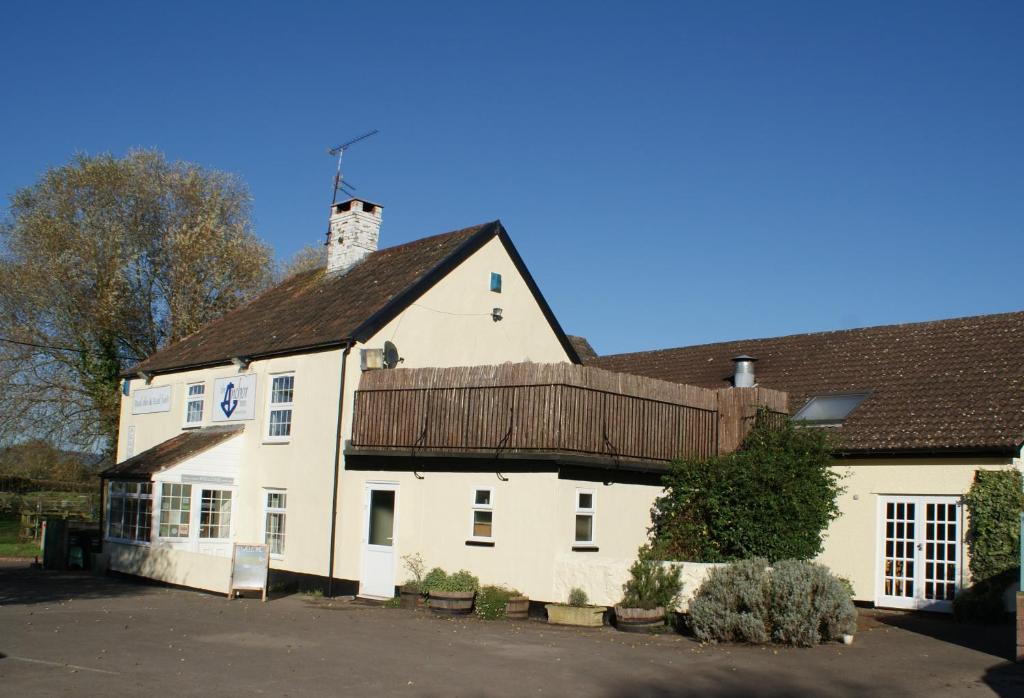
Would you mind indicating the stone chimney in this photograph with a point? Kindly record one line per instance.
(355, 228)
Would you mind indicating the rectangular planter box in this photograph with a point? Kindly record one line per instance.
(586, 616)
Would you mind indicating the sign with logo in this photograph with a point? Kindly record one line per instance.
(234, 398)
(149, 400)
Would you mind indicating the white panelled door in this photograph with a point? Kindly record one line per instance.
(920, 552)
(378, 576)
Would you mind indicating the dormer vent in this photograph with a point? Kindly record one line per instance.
(743, 373)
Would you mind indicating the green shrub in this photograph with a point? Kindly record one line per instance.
(796, 603)
(708, 511)
(491, 600)
(577, 597)
(414, 564)
(651, 584)
(438, 580)
(433, 579)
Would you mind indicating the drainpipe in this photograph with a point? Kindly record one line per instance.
(102, 509)
(337, 469)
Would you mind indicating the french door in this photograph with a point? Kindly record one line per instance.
(920, 551)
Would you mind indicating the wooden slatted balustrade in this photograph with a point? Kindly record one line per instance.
(529, 408)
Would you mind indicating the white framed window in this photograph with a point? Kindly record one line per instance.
(175, 510)
(195, 401)
(280, 400)
(586, 514)
(275, 506)
(215, 514)
(130, 511)
(483, 514)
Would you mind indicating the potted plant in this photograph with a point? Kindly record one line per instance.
(651, 590)
(517, 607)
(576, 612)
(411, 592)
(450, 594)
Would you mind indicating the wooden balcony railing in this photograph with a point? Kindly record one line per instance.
(530, 408)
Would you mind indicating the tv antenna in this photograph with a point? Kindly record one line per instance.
(339, 180)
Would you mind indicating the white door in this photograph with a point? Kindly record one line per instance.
(378, 577)
(920, 552)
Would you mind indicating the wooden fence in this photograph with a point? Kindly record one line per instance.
(550, 408)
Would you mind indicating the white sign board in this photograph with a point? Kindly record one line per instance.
(234, 398)
(149, 400)
(249, 565)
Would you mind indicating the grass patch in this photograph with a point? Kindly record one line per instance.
(9, 545)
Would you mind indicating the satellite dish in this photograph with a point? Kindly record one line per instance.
(391, 357)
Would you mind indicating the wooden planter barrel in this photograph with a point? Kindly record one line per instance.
(451, 603)
(411, 596)
(639, 620)
(518, 608)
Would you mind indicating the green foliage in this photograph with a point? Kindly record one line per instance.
(796, 602)
(772, 498)
(651, 585)
(439, 580)
(433, 579)
(491, 600)
(395, 602)
(578, 597)
(994, 502)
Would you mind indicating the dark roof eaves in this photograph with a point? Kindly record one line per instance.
(291, 351)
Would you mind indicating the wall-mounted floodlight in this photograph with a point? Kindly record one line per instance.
(496, 314)
(241, 362)
(146, 376)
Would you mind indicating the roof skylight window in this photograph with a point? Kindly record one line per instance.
(829, 409)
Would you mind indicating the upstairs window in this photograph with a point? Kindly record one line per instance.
(282, 396)
(495, 282)
(585, 515)
(195, 399)
(483, 514)
(130, 512)
(828, 410)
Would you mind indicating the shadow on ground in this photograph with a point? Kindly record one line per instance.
(21, 584)
(996, 640)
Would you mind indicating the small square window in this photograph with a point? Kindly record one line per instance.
(483, 514)
(495, 282)
(585, 515)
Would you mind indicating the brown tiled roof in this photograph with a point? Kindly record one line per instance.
(174, 450)
(944, 386)
(318, 310)
(582, 347)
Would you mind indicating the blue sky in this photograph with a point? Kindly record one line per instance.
(673, 173)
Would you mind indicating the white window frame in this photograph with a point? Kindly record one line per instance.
(474, 508)
(231, 515)
(189, 399)
(267, 512)
(590, 511)
(279, 406)
(158, 499)
(137, 496)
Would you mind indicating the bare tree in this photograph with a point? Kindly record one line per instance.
(103, 261)
(305, 258)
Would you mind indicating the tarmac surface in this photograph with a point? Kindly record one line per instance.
(76, 634)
